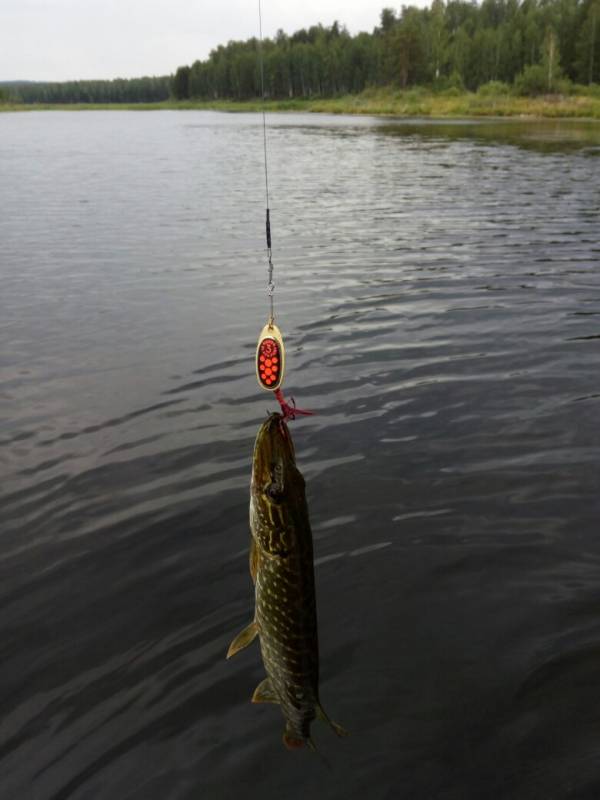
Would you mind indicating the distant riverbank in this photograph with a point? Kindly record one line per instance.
(406, 103)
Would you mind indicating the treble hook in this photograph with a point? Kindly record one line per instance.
(290, 412)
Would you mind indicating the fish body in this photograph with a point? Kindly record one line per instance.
(281, 566)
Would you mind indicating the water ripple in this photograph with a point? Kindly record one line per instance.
(438, 288)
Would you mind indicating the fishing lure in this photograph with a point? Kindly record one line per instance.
(270, 368)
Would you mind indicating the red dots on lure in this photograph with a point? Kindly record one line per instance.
(270, 357)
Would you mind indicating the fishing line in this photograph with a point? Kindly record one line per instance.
(270, 350)
(270, 283)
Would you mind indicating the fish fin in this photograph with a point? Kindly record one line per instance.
(253, 559)
(336, 728)
(243, 639)
(264, 693)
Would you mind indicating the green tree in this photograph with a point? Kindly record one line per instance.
(437, 38)
(587, 58)
(181, 83)
(551, 58)
(387, 20)
(408, 42)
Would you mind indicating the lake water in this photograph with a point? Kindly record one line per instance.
(439, 289)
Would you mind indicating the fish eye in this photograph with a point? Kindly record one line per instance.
(274, 489)
(273, 492)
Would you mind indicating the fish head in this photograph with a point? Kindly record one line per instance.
(278, 490)
(274, 471)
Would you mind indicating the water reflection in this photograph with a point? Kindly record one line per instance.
(282, 569)
(550, 136)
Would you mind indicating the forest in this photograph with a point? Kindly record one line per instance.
(528, 47)
(535, 45)
(121, 90)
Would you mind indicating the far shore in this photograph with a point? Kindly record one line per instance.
(384, 102)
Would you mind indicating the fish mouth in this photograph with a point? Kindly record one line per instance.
(274, 436)
(274, 454)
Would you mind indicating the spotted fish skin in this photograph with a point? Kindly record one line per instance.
(281, 564)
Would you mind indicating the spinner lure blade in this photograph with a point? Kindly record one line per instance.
(270, 358)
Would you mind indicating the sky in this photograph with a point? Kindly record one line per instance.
(56, 40)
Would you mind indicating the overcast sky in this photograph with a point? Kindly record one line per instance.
(66, 39)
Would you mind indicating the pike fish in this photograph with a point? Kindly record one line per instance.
(281, 566)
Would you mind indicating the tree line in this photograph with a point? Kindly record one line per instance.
(120, 90)
(534, 44)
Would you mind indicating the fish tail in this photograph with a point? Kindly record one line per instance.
(292, 742)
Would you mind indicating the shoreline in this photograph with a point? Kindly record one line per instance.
(389, 103)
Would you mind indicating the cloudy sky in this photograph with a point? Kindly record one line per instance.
(66, 39)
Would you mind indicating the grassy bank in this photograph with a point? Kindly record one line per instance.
(420, 103)
(409, 103)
